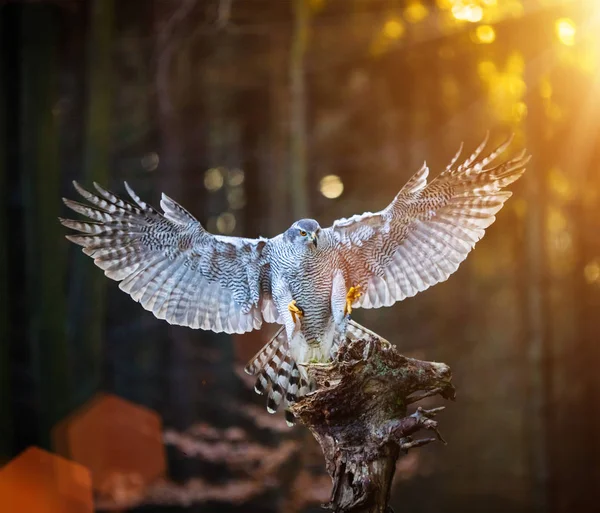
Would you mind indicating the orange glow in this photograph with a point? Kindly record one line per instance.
(39, 482)
(117, 440)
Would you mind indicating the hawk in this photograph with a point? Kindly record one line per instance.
(307, 279)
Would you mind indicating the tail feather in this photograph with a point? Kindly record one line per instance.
(278, 375)
(262, 383)
(260, 359)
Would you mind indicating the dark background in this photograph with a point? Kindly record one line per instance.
(237, 109)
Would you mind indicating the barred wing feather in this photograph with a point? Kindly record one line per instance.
(171, 265)
(429, 228)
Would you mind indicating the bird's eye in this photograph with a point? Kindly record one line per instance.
(303, 233)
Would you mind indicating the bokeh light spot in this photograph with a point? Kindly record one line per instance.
(565, 31)
(559, 184)
(213, 179)
(150, 161)
(556, 220)
(37, 481)
(236, 198)
(485, 34)
(519, 111)
(394, 29)
(226, 223)
(469, 12)
(119, 441)
(592, 272)
(331, 186)
(415, 12)
(486, 69)
(235, 177)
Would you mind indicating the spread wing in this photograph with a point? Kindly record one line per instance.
(420, 238)
(172, 265)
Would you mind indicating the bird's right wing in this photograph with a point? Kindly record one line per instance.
(172, 265)
(420, 238)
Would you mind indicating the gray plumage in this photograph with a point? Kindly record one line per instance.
(176, 269)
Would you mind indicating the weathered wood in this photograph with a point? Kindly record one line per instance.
(358, 415)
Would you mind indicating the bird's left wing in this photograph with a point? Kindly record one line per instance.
(172, 265)
(420, 238)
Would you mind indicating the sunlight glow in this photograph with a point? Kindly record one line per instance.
(565, 31)
(469, 12)
(415, 12)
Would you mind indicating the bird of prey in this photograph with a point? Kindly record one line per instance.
(307, 279)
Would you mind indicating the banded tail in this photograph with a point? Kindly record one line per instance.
(278, 375)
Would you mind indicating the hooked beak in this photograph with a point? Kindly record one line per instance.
(313, 237)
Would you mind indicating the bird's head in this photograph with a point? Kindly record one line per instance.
(304, 232)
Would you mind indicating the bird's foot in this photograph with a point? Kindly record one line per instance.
(295, 311)
(353, 294)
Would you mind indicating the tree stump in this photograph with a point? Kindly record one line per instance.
(358, 414)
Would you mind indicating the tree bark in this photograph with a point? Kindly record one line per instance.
(358, 415)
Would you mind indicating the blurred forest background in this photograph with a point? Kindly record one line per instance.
(253, 113)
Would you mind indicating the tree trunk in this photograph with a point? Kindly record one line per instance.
(358, 417)
(45, 256)
(298, 174)
(89, 286)
(539, 356)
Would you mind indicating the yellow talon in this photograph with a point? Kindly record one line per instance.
(295, 311)
(353, 294)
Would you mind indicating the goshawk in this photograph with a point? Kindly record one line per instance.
(307, 279)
